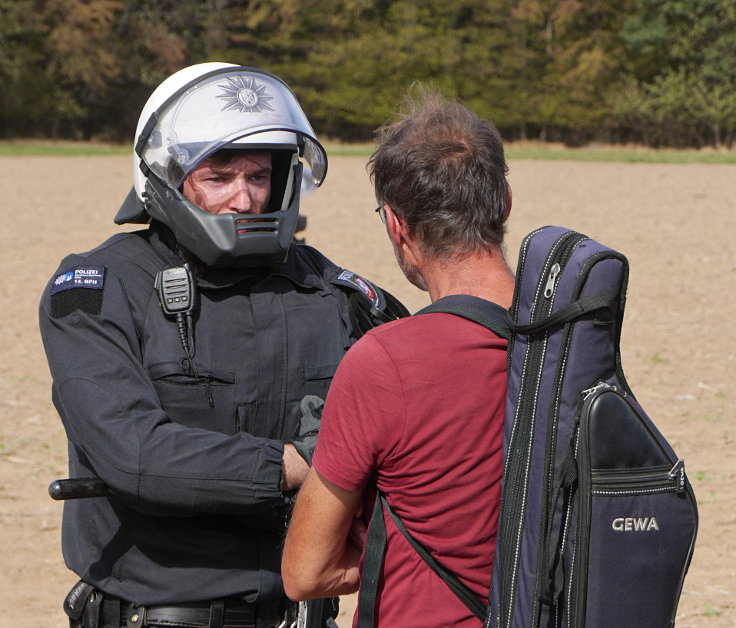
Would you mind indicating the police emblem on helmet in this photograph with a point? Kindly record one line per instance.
(244, 93)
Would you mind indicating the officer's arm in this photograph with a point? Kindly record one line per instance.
(114, 419)
(324, 541)
(293, 468)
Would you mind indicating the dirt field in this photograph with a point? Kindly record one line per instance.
(676, 223)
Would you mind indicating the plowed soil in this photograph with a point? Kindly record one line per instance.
(675, 223)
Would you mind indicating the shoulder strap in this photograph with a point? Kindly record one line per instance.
(485, 313)
(373, 560)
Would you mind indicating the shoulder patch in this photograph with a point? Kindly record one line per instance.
(90, 277)
(356, 282)
(78, 289)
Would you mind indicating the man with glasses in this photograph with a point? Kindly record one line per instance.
(416, 408)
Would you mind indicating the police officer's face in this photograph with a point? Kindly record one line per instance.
(231, 183)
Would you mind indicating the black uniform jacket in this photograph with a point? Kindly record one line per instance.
(192, 462)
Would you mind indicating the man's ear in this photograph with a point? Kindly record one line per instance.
(402, 238)
(509, 202)
(394, 226)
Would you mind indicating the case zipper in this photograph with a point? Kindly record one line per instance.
(655, 480)
(549, 287)
(517, 467)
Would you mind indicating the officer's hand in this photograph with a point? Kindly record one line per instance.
(306, 441)
(293, 469)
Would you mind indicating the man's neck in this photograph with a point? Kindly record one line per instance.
(484, 275)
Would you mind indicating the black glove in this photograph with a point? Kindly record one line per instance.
(306, 441)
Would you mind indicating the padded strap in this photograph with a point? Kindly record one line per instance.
(466, 596)
(485, 313)
(375, 547)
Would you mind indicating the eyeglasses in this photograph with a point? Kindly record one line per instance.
(381, 213)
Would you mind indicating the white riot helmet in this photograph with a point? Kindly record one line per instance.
(220, 106)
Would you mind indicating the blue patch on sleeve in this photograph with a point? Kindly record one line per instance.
(91, 277)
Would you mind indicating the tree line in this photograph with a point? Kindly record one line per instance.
(658, 72)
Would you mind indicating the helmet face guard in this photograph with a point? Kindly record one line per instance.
(225, 240)
(205, 109)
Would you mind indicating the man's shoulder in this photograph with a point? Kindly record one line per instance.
(411, 327)
(389, 338)
(433, 334)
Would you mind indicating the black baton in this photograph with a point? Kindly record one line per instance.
(77, 488)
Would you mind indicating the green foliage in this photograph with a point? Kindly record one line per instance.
(60, 149)
(657, 71)
(682, 72)
(573, 51)
(23, 95)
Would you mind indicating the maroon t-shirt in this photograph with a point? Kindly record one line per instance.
(418, 404)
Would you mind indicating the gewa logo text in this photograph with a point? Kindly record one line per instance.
(635, 524)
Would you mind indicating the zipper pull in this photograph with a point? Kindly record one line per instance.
(600, 385)
(549, 288)
(677, 472)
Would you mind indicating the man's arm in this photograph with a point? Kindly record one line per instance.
(324, 541)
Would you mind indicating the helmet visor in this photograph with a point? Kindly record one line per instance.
(239, 105)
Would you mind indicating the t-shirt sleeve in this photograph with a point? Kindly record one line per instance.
(363, 420)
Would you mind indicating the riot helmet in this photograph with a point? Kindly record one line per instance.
(211, 107)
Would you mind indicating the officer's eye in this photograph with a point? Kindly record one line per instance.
(216, 177)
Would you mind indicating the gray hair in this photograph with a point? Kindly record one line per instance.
(442, 170)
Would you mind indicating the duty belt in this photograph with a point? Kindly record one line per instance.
(215, 614)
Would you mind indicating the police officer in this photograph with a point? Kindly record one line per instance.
(190, 360)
